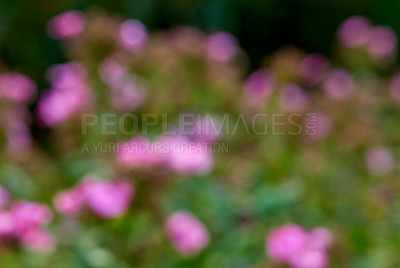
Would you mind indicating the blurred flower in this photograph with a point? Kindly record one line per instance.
(111, 71)
(293, 98)
(27, 215)
(258, 85)
(355, 31)
(394, 89)
(339, 84)
(4, 198)
(320, 238)
(69, 202)
(68, 94)
(127, 96)
(285, 242)
(37, 239)
(138, 152)
(19, 139)
(70, 75)
(6, 224)
(186, 157)
(66, 24)
(132, 35)
(186, 233)
(316, 127)
(221, 46)
(25, 221)
(379, 161)
(383, 42)
(206, 129)
(310, 258)
(313, 69)
(108, 199)
(293, 245)
(17, 87)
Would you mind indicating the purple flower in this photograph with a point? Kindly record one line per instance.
(339, 84)
(108, 199)
(383, 42)
(355, 31)
(298, 248)
(186, 233)
(313, 69)
(132, 35)
(221, 46)
(66, 24)
(258, 85)
(186, 157)
(17, 87)
(293, 98)
(379, 161)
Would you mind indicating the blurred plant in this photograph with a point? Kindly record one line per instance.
(330, 161)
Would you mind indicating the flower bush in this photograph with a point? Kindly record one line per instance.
(311, 145)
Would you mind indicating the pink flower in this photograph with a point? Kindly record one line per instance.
(298, 248)
(66, 24)
(69, 93)
(7, 227)
(186, 233)
(138, 152)
(394, 89)
(383, 42)
(70, 75)
(4, 198)
(27, 215)
(111, 71)
(285, 242)
(38, 240)
(69, 202)
(293, 98)
(379, 160)
(206, 129)
(313, 69)
(339, 84)
(221, 46)
(310, 258)
(186, 157)
(355, 31)
(108, 199)
(132, 35)
(17, 87)
(258, 85)
(320, 238)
